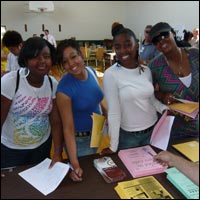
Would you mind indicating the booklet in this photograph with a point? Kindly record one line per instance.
(189, 149)
(44, 179)
(142, 188)
(108, 169)
(139, 161)
(183, 183)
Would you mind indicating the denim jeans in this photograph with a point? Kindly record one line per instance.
(83, 146)
(131, 139)
(17, 157)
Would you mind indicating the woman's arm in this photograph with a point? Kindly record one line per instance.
(57, 133)
(5, 106)
(190, 169)
(65, 108)
(111, 92)
(104, 110)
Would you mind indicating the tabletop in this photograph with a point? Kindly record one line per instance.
(93, 185)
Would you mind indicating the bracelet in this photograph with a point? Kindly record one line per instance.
(58, 149)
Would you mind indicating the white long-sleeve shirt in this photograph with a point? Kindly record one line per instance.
(50, 38)
(131, 101)
(12, 62)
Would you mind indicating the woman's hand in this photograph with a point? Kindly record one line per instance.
(169, 98)
(57, 157)
(76, 174)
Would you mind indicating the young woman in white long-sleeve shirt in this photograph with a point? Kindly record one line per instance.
(129, 92)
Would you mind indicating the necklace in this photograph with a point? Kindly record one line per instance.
(180, 70)
(180, 67)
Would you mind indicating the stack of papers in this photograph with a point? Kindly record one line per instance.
(139, 161)
(108, 169)
(185, 107)
(44, 179)
(182, 183)
(142, 188)
(189, 149)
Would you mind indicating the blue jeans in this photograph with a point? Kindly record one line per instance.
(83, 146)
(131, 139)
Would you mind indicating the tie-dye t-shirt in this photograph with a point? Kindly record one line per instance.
(27, 124)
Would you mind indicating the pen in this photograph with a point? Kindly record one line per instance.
(10, 169)
(146, 150)
(71, 167)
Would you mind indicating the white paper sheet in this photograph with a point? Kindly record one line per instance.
(44, 179)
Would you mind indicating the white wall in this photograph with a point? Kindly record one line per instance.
(92, 20)
(142, 13)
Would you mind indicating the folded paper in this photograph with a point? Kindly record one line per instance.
(161, 132)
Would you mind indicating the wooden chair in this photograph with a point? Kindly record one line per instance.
(84, 52)
(100, 56)
(92, 54)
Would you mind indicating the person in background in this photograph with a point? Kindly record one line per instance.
(147, 50)
(14, 42)
(186, 39)
(129, 92)
(195, 40)
(29, 115)
(176, 75)
(190, 169)
(4, 56)
(50, 38)
(41, 35)
(78, 96)
(35, 35)
(178, 42)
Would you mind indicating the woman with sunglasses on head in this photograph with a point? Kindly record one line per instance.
(176, 75)
(129, 92)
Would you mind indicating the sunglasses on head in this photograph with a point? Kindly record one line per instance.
(161, 36)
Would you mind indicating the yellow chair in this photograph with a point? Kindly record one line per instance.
(100, 57)
(84, 52)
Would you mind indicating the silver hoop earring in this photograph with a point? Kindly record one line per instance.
(24, 72)
(27, 72)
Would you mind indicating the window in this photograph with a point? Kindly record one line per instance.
(3, 30)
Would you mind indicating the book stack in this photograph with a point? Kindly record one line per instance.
(182, 183)
(142, 188)
(139, 161)
(108, 169)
